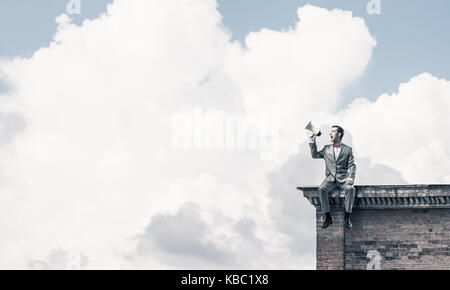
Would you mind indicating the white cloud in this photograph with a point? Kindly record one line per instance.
(92, 168)
(406, 130)
(300, 73)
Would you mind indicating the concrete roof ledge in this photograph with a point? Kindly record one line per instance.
(387, 196)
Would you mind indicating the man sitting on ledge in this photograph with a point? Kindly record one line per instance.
(340, 172)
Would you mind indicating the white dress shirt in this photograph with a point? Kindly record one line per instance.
(337, 150)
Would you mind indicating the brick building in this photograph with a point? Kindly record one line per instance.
(394, 227)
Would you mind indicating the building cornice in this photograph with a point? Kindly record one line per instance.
(387, 196)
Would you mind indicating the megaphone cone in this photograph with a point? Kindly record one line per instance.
(311, 128)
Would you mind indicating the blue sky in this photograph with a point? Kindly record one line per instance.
(413, 36)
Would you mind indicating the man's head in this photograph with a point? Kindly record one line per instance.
(336, 134)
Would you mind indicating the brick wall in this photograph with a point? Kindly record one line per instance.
(394, 227)
(404, 238)
(330, 243)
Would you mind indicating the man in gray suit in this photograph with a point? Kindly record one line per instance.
(340, 172)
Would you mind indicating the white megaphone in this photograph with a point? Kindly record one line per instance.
(311, 128)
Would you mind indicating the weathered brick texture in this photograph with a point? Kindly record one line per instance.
(394, 227)
(405, 238)
(330, 243)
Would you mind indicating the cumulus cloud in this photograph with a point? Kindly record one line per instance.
(406, 130)
(88, 161)
(300, 73)
(183, 234)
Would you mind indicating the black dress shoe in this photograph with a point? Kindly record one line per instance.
(327, 223)
(348, 223)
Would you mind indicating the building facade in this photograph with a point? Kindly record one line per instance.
(394, 227)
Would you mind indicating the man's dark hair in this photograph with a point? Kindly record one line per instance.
(340, 130)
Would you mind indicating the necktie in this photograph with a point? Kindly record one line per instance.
(337, 145)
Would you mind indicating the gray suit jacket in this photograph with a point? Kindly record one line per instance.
(342, 168)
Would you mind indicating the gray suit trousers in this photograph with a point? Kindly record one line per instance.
(327, 186)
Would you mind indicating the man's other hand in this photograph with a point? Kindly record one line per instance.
(349, 181)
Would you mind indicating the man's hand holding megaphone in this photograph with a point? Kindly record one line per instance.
(314, 132)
